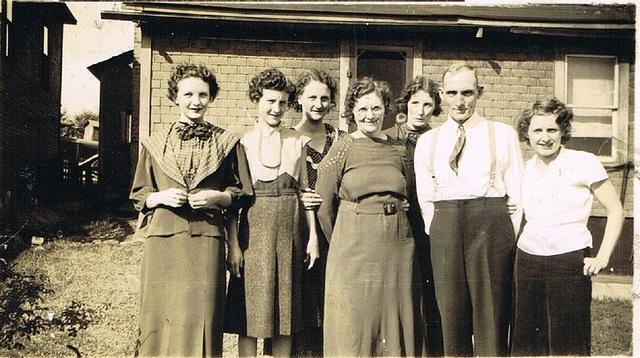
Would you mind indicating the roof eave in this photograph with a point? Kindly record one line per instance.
(353, 20)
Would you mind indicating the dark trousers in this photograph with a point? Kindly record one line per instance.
(433, 326)
(472, 249)
(552, 312)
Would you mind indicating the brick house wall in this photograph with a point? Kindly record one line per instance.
(31, 112)
(234, 63)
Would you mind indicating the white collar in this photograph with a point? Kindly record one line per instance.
(472, 121)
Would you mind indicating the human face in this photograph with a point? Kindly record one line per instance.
(460, 91)
(315, 100)
(544, 135)
(193, 98)
(369, 113)
(271, 107)
(419, 110)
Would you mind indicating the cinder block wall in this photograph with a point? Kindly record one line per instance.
(235, 63)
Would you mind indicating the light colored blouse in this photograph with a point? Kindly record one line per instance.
(273, 151)
(557, 203)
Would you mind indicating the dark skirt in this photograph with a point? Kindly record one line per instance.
(372, 294)
(308, 342)
(182, 296)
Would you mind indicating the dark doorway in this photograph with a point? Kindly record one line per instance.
(387, 65)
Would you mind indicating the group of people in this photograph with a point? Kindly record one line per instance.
(396, 242)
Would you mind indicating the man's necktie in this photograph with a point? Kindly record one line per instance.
(454, 158)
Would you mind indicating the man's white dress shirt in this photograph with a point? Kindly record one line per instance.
(474, 167)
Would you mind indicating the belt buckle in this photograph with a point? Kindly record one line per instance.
(390, 208)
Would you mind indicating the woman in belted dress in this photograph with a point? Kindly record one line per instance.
(372, 292)
(186, 174)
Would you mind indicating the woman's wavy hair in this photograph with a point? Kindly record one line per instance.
(314, 75)
(186, 70)
(363, 87)
(272, 79)
(419, 83)
(550, 105)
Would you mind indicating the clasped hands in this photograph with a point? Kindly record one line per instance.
(175, 198)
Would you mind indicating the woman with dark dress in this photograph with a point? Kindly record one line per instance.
(418, 102)
(372, 292)
(186, 175)
(265, 296)
(315, 96)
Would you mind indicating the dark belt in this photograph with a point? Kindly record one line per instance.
(464, 203)
(390, 207)
(275, 192)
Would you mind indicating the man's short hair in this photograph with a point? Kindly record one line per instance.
(461, 66)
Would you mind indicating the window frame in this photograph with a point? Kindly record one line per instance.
(619, 110)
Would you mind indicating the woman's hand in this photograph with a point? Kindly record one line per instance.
(405, 205)
(235, 260)
(173, 197)
(310, 199)
(313, 249)
(593, 265)
(207, 199)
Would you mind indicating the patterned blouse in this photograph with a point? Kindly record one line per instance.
(314, 157)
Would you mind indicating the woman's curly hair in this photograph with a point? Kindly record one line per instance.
(186, 70)
(363, 87)
(272, 79)
(550, 105)
(314, 75)
(419, 83)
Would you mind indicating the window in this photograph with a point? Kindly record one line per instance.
(95, 134)
(7, 28)
(125, 127)
(45, 40)
(45, 64)
(596, 89)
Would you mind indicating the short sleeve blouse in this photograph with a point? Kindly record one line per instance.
(557, 203)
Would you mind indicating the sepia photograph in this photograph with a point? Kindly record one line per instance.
(318, 179)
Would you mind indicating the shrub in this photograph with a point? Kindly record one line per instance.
(23, 315)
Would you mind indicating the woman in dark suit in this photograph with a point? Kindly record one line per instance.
(186, 174)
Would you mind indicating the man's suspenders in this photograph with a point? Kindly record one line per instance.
(492, 153)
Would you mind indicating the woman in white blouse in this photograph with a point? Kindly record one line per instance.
(553, 266)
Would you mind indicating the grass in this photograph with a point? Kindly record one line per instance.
(105, 275)
(611, 327)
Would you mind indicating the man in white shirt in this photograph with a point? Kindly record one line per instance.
(468, 174)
